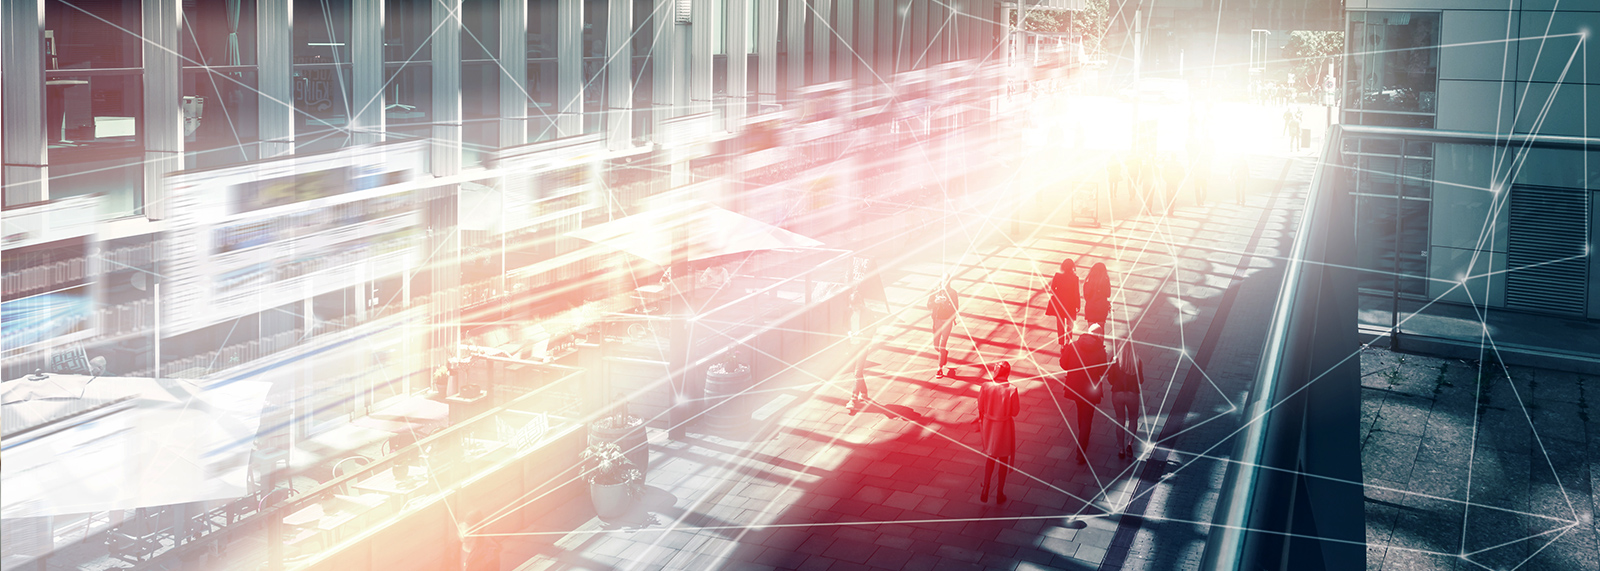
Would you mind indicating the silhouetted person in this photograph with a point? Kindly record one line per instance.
(1114, 176)
(1291, 124)
(1097, 295)
(998, 406)
(1064, 300)
(478, 553)
(1085, 365)
(944, 304)
(1126, 378)
(858, 395)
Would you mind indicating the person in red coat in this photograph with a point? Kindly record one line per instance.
(1097, 295)
(1064, 301)
(998, 406)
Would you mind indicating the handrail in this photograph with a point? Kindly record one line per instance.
(1225, 547)
(1438, 136)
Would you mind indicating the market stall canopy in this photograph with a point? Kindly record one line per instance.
(126, 443)
(710, 231)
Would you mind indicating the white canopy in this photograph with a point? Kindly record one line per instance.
(168, 443)
(710, 231)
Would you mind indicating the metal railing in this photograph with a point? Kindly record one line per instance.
(1292, 497)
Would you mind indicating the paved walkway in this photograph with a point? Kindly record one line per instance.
(1470, 465)
(812, 486)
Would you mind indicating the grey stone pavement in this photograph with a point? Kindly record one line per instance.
(1472, 465)
(810, 486)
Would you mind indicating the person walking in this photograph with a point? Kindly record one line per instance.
(945, 305)
(1085, 366)
(1097, 295)
(998, 406)
(858, 395)
(1114, 176)
(1291, 124)
(1064, 300)
(1125, 378)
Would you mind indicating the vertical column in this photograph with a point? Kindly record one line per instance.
(821, 41)
(766, 52)
(844, 27)
(163, 101)
(569, 67)
(795, 38)
(366, 52)
(701, 28)
(275, 64)
(865, 44)
(885, 37)
(22, 32)
(619, 75)
(917, 47)
(514, 97)
(663, 69)
(738, 22)
(446, 145)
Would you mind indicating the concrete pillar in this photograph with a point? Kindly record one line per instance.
(275, 79)
(368, 123)
(821, 40)
(619, 74)
(917, 46)
(663, 66)
(514, 96)
(446, 45)
(886, 29)
(26, 174)
(795, 38)
(738, 51)
(865, 43)
(569, 68)
(766, 52)
(701, 28)
(844, 26)
(163, 100)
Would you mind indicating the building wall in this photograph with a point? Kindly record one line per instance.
(1502, 70)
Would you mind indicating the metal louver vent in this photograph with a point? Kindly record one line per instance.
(1545, 247)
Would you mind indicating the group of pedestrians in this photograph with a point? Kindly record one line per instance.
(1087, 372)
(1155, 180)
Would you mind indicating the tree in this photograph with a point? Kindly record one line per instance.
(1309, 53)
(1091, 23)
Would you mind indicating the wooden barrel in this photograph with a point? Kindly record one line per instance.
(631, 439)
(725, 410)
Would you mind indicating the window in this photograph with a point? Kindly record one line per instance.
(219, 82)
(94, 101)
(321, 74)
(480, 79)
(1393, 65)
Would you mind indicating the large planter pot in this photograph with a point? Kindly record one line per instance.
(630, 438)
(611, 501)
(725, 411)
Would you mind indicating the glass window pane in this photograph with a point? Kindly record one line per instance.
(220, 118)
(95, 145)
(219, 32)
(410, 102)
(1397, 66)
(1418, 179)
(408, 31)
(82, 35)
(1376, 176)
(541, 70)
(321, 74)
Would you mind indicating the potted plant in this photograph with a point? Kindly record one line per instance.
(614, 482)
(624, 430)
